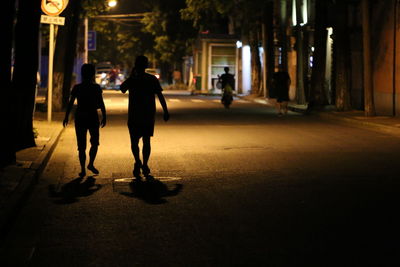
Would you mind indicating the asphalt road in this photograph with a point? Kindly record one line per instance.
(234, 187)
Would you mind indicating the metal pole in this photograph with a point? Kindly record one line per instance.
(50, 75)
(86, 53)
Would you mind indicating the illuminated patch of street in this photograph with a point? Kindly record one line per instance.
(173, 100)
(197, 100)
(123, 184)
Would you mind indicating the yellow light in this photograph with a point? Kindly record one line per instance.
(112, 3)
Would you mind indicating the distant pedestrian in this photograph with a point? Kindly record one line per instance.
(141, 112)
(176, 76)
(90, 99)
(281, 83)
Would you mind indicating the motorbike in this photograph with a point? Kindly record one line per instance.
(227, 96)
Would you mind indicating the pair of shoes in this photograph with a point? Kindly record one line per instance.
(136, 169)
(280, 114)
(146, 170)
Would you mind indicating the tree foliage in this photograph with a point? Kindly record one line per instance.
(119, 42)
(173, 36)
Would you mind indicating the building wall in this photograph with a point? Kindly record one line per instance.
(383, 52)
(203, 61)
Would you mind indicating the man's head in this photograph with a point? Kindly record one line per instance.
(141, 62)
(226, 69)
(88, 71)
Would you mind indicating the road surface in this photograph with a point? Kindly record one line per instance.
(234, 187)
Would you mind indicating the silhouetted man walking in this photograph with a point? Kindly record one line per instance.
(141, 112)
(90, 99)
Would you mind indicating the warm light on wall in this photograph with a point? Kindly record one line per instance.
(294, 15)
(304, 12)
(246, 69)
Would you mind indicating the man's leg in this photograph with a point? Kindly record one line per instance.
(279, 108)
(134, 144)
(94, 141)
(135, 148)
(81, 140)
(146, 149)
(135, 152)
(285, 107)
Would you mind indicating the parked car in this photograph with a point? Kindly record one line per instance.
(103, 74)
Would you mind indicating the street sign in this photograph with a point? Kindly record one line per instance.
(53, 7)
(91, 41)
(52, 20)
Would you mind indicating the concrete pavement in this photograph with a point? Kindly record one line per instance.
(386, 124)
(17, 181)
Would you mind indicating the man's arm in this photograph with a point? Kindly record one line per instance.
(69, 108)
(103, 112)
(164, 105)
(124, 86)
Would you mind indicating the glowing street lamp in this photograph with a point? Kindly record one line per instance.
(112, 3)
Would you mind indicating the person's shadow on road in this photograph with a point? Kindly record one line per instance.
(152, 191)
(70, 192)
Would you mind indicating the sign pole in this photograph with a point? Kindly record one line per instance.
(52, 9)
(86, 24)
(50, 76)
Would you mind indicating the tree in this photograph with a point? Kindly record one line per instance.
(66, 47)
(317, 91)
(368, 84)
(7, 151)
(342, 57)
(173, 36)
(120, 42)
(25, 70)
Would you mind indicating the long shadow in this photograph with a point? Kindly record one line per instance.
(151, 190)
(71, 191)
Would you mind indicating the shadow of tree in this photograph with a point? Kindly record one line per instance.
(70, 192)
(152, 191)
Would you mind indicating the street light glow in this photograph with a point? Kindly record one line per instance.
(112, 3)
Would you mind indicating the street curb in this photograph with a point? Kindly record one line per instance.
(26, 184)
(372, 125)
(341, 118)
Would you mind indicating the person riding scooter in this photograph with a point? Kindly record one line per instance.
(227, 81)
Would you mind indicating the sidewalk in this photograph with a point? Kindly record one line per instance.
(17, 181)
(385, 124)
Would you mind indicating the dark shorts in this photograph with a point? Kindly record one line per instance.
(282, 95)
(141, 129)
(81, 134)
